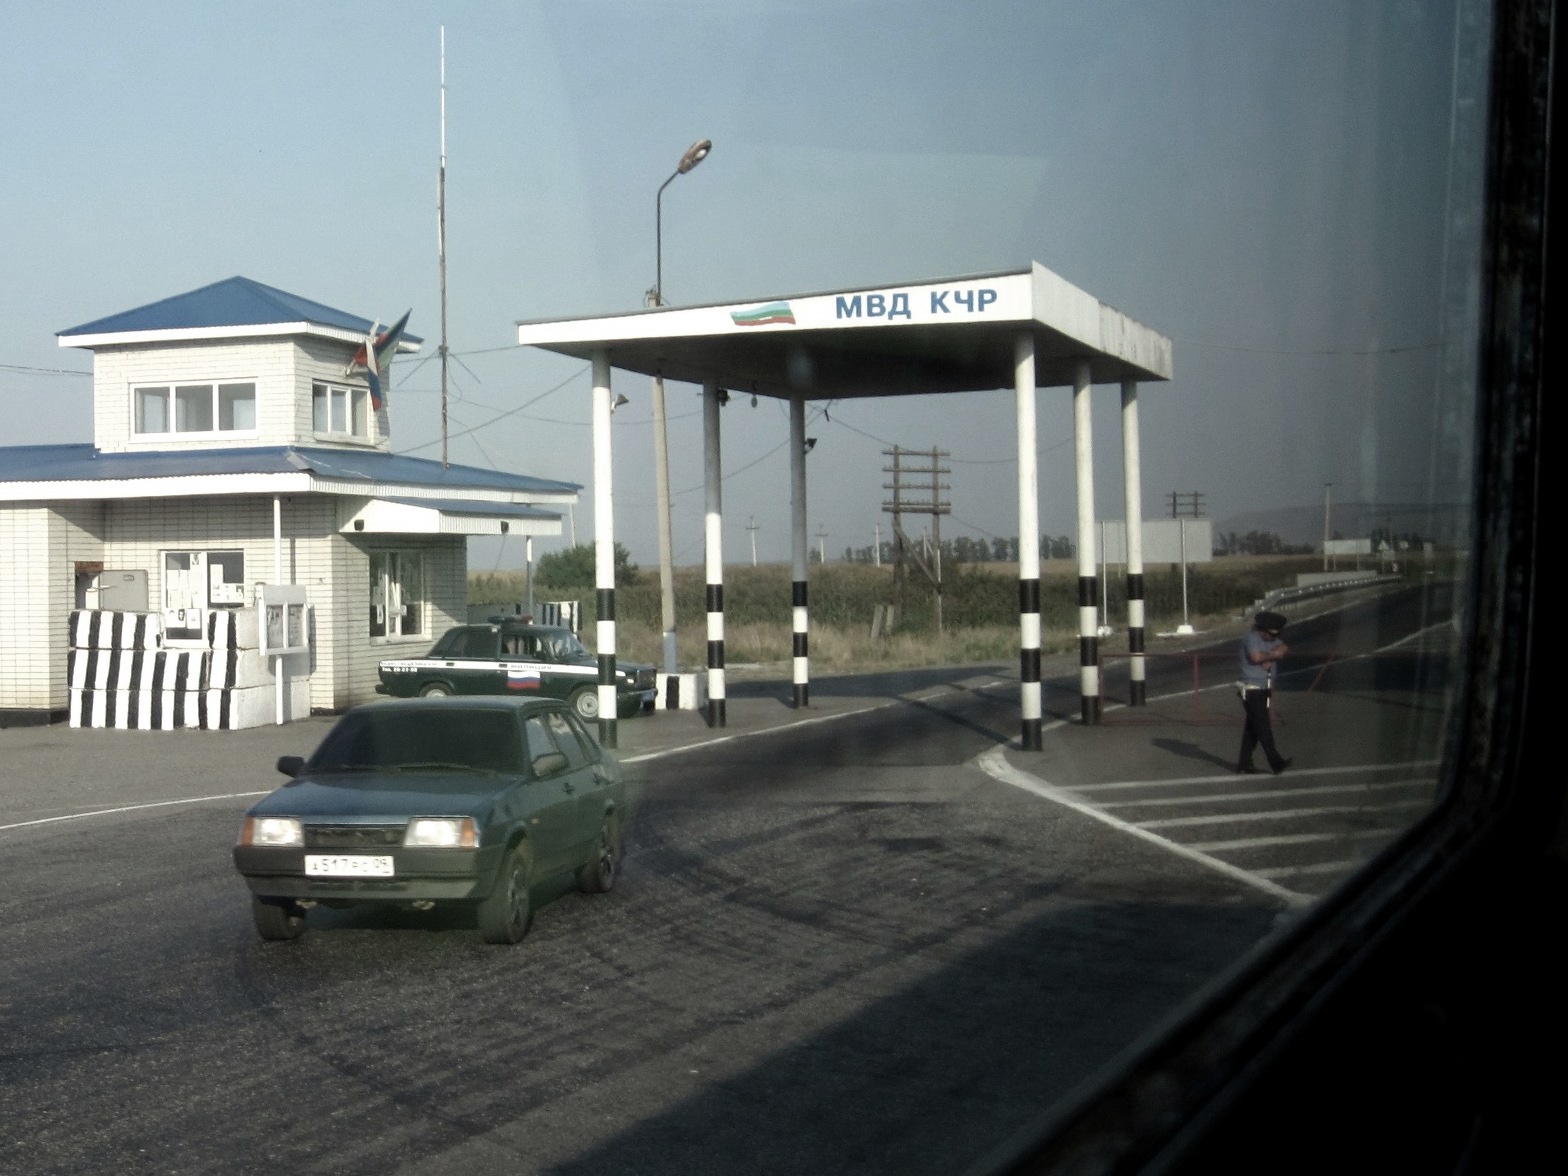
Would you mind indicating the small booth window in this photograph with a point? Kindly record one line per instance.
(185, 409)
(340, 412)
(397, 594)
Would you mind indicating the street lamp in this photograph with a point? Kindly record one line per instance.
(695, 154)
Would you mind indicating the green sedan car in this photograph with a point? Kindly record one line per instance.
(436, 801)
(519, 659)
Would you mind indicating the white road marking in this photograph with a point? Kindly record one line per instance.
(994, 764)
(1316, 868)
(131, 808)
(1277, 814)
(1286, 793)
(1232, 776)
(1294, 839)
(718, 739)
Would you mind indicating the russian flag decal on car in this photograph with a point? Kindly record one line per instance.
(522, 679)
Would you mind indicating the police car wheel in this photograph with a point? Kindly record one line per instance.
(586, 703)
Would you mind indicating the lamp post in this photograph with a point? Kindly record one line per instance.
(695, 154)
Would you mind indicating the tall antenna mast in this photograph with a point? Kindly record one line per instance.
(441, 245)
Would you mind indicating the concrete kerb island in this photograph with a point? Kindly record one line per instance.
(1024, 329)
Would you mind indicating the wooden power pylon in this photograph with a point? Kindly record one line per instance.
(917, 488)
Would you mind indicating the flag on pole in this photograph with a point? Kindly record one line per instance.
(375, 356)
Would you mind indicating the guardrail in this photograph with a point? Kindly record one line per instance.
(1285, 597)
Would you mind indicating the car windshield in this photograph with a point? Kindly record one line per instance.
(386, 738)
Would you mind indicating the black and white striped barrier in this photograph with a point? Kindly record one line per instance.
(681, 692)
(118, 677)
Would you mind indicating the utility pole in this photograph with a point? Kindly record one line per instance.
(917, 471)
(1184, 506)
(876, 546)
(822, 544)
(752, 527)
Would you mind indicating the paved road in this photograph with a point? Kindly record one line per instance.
(841, 940)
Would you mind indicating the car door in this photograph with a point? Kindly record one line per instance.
(592, 791)
(552, 798)
(472, 663)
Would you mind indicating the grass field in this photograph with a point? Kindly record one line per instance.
(980, 609)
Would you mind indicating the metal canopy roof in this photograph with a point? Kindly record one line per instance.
(949, 335)
(416, 516)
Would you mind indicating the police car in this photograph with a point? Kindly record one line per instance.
(518, 659)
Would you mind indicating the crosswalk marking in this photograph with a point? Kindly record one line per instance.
(1295, 774)
(1276, 814)
(1270, 794)
(1289, 839)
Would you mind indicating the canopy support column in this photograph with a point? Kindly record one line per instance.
(604, 546)
(1028, 543)
(798, 546)
(1088, 580)
(1132, 492)
(713, 543)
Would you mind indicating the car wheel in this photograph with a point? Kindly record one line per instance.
(435, 690)
(586, 703)
(505, 914)
(277, 919)
(597, 875)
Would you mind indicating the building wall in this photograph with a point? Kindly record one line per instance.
(283, 371)
(333, 567)
(39, 547)
(322, 359)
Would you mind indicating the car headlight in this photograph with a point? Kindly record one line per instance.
(454, 832)
(272, 831)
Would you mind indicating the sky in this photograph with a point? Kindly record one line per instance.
(1286, 190)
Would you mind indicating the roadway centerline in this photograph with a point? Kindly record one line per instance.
(130, 808)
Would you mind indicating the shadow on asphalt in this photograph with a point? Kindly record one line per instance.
(881, 684)
(936, 1075)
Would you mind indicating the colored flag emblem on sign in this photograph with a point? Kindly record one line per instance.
(522, 679)
(757, 316)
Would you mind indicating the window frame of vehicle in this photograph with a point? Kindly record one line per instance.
(340, 412)
(194, 410)
(1393, 1020)
(398, 607)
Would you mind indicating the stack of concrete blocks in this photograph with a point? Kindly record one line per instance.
(123, 675)
(241, 689)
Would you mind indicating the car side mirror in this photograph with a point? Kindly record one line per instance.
(549, 763)
(291, 765)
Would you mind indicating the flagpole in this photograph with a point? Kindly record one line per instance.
(441, 245)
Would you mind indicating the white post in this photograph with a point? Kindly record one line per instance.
(1132, 495)
(1028, 543)
(798, 562)
(661, 494)
(279, 670)
(604, 546)
(1185, 629)
(713, 545)
(1088, 618)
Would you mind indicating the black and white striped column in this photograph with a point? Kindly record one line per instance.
(1132, 487)
(1028, 545)
(1088, 580)
(604, 547)
(713, 543)
(799, 616)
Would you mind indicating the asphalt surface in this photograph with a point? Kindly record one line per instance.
(871, 935)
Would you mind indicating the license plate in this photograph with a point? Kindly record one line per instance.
(346, 865)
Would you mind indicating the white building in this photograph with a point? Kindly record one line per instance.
(236, 443)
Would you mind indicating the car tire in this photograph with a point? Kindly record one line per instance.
(507, 911)
(435, 690)
(586, 703)
(277, 919)
(597, 875)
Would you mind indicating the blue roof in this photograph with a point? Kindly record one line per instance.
(233, 302)
(84, 462)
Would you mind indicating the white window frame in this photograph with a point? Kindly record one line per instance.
(399, 603)
(171, 394)
(345, 404)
